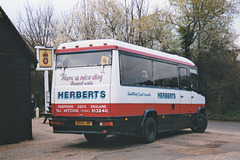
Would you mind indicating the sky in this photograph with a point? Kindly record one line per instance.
(11, 7)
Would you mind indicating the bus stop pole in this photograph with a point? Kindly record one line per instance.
(46, 90)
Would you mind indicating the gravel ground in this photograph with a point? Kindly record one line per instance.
(216, 143)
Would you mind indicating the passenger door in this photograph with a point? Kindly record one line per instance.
(185, 97)
(197, 99)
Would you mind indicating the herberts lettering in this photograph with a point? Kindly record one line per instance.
(163, 95)
(81, 95)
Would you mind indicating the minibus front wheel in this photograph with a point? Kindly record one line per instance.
(200, 124)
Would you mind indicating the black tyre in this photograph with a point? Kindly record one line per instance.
(200, 124)
(95, 137)
(149, 130)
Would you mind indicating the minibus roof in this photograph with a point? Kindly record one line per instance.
(109, 44)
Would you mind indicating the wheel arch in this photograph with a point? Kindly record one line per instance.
(201, 110)
(147, 113)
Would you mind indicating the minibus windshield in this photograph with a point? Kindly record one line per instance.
(83, 59)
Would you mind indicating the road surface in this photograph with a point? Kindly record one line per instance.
(221, 141)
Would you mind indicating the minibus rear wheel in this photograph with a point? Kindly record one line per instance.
(150, 130)
(95, 137)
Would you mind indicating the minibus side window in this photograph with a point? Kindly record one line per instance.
(183, 78)
(135, 70)
(194, 80)
(165, 75)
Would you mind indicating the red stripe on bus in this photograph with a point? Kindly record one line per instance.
(119, 110)
(93, 48)
(139, 109)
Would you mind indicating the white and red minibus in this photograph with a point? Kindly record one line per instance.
(108, 87)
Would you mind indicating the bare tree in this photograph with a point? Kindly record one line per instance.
(37, 26)
(88, 20)
(124, 20)
(141, 11)
(93, 20)
(82, 23)
(111, 14)
(64, 29)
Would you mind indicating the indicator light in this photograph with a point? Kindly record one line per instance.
(104, 131)
(109, 123)
(56, 123)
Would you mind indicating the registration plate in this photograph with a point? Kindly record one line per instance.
(83, 123)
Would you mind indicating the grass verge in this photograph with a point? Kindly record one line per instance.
(230, 116)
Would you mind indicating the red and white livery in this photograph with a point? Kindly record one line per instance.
(103, 87)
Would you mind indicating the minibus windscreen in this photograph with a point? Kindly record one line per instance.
(84, 59)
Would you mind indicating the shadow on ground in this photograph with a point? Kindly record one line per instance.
(119, 142)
